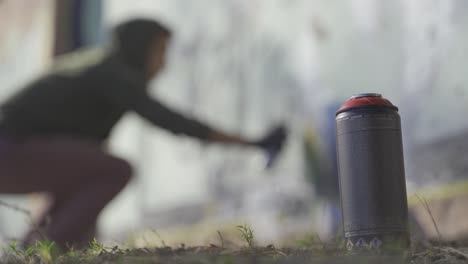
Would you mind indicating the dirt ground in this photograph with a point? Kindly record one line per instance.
(269, 255)
(215, 255)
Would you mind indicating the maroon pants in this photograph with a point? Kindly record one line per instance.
(80, 177)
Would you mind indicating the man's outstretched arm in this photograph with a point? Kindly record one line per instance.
(177, 123)
(221, 137)
(162, 116)
(127, 88)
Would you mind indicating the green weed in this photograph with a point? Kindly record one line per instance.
(47, 251)
(96, 248)
(247, 234)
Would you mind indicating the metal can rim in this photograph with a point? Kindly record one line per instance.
(351, 108)
(364, 100)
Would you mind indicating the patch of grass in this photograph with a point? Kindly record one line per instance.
(98, 253)
(47, 251)
(247, 234)
(44, 251)
(309, 241)
(96, 248)
(309, 250)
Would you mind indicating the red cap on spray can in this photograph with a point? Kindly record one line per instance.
(366, 100)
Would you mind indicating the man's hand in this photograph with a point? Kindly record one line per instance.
(274, 139)
(272, 144)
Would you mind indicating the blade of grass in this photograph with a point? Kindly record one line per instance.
(429, 212)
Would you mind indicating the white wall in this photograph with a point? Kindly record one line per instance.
(25, 48)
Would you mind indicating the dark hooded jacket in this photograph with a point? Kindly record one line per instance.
(88, 92)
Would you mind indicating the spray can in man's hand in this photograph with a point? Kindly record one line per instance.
(272, 144)
(371, 174)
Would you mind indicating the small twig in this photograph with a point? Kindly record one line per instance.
(454, 252)
(320, 241)
(428, 209)
(221, 238)
(15, 208)
(281, 253)
(145, 240)
(420, 254)
(163, 243)
(34, 226)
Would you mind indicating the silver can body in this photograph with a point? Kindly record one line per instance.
(372, 178)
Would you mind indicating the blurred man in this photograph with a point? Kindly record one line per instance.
(52, 132)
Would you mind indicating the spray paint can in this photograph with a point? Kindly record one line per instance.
(371, 174)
